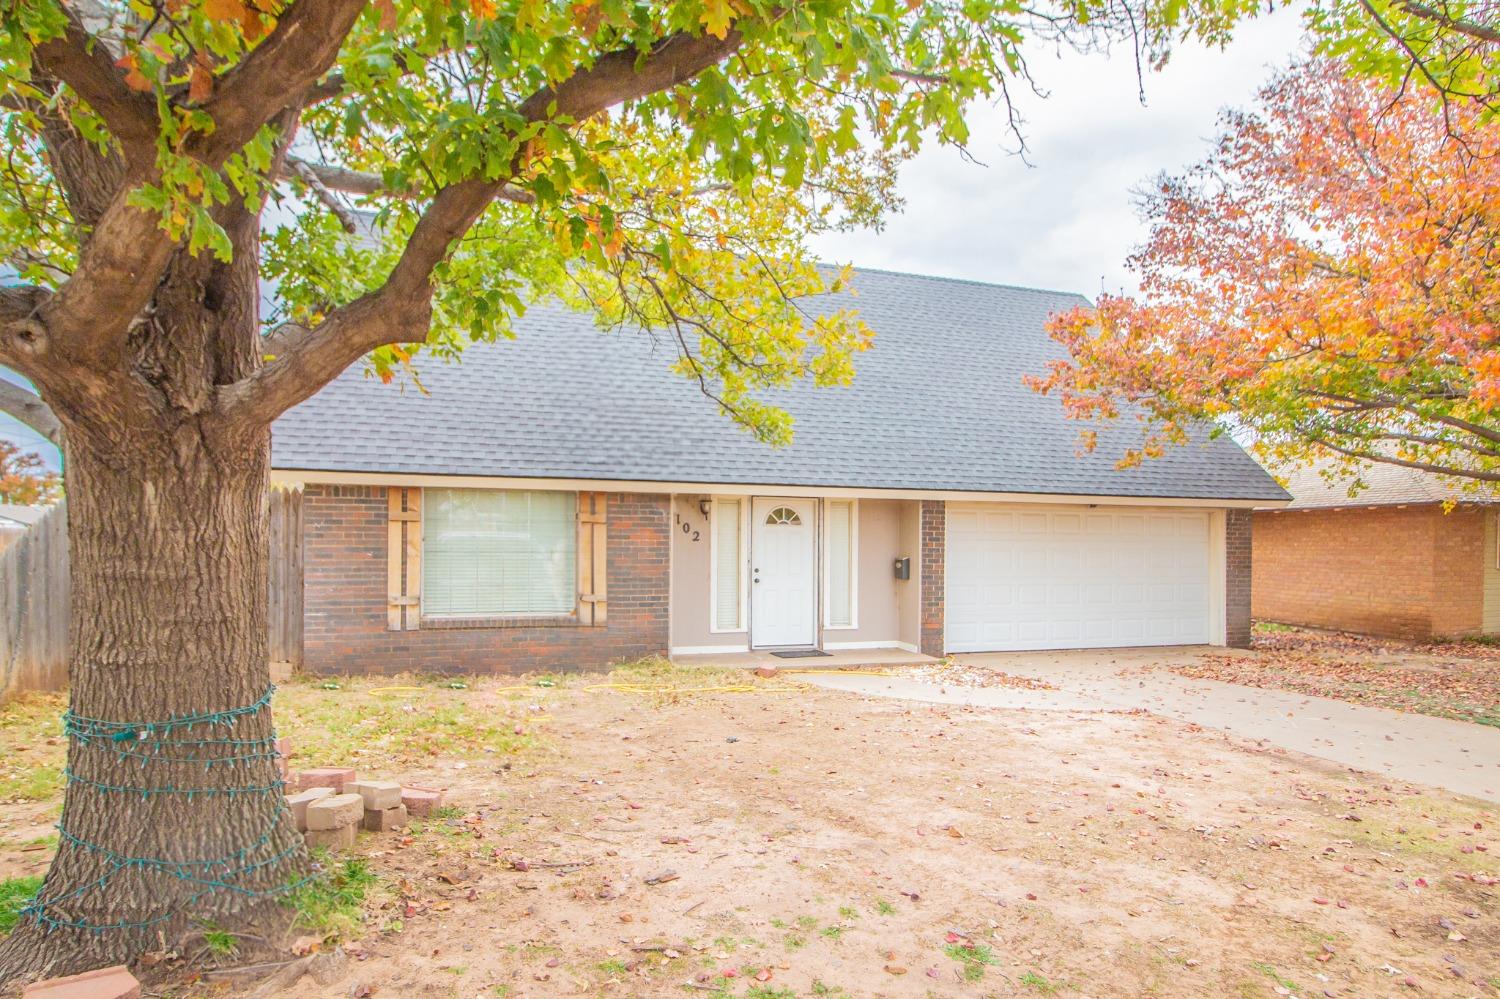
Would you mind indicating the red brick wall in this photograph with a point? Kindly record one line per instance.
(934, 556)
(1458, 555)
(1238, 577)
(345, 632)
(1404, 572)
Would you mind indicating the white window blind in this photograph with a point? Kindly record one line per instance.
(728, 565)
(840, 564)
(489, 552)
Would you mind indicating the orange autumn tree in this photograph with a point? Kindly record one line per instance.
(1328, 278)
(25, 479)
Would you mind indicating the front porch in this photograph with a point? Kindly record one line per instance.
(841, 659)
(755, 573)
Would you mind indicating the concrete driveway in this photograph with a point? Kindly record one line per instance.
(1457, 756)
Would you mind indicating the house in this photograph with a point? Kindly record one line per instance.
(562, 499)
(1408, 557)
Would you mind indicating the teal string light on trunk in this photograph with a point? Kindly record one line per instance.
(149, 744)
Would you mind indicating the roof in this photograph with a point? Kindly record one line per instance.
(1382, 485)
(937, 403)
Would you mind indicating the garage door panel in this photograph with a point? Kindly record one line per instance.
(1041, 578)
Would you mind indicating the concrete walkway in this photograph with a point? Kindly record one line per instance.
(1457, 756)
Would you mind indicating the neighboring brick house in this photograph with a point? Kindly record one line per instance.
(564, 501)
(1409, 556)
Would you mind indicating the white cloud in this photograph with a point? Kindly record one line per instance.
(1067, 221)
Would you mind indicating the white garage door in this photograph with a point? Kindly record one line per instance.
(1031, 577)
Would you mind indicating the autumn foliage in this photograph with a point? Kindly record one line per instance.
(1326, 278)
(24, 479)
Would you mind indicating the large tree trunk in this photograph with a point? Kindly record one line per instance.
(167, 527)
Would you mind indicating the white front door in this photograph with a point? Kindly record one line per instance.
(783, 576)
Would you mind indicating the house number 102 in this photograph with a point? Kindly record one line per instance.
(688, 529)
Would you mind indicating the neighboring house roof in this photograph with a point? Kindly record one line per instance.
(24, 515)
(1381, 485)
(937, 403)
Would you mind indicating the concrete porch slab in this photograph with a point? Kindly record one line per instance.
(835, 660)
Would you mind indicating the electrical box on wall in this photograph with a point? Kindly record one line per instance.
(903, 568)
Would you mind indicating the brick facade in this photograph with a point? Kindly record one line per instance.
(1403, 572)
(1238, 577)
(344, 552)
(934, 530)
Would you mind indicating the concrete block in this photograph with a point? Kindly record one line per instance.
(101, 983)
(335, 812)
(334, 777)
(378, 794)
(385, 819)
(298, 803)
(331, 839)
(421, 800)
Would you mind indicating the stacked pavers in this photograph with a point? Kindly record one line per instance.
(330, 804)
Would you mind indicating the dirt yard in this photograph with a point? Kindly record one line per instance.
(787, 842)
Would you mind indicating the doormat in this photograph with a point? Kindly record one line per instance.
(801, 654)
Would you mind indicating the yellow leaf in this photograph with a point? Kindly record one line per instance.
(717, 16)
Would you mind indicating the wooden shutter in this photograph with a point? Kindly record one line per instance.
(404, 559)
(593, 543)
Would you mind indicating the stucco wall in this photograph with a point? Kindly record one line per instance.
(909, 593)
(879, 611)
(691, 568)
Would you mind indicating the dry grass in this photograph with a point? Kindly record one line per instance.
(822, 844)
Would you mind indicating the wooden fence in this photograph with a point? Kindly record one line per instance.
(286, 577)
(34, 598)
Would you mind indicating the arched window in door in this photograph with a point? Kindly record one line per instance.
(783, 515)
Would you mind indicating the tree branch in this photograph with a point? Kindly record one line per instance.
(276, 74)
(400, 310)
(1421, 466)
(1480, 31)
(83, 62)
(127, 252)
(117, 272)
(337, 178)
(29, 408)
(309, 176)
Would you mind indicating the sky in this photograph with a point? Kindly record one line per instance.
(1067, 221)
(1064, 218)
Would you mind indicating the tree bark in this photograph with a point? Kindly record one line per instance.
(168, 533)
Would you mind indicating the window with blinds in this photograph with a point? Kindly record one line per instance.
(729, 565)
(840, 527)
(491, 552)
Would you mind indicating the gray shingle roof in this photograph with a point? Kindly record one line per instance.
(1383, 485)
(937, 404)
